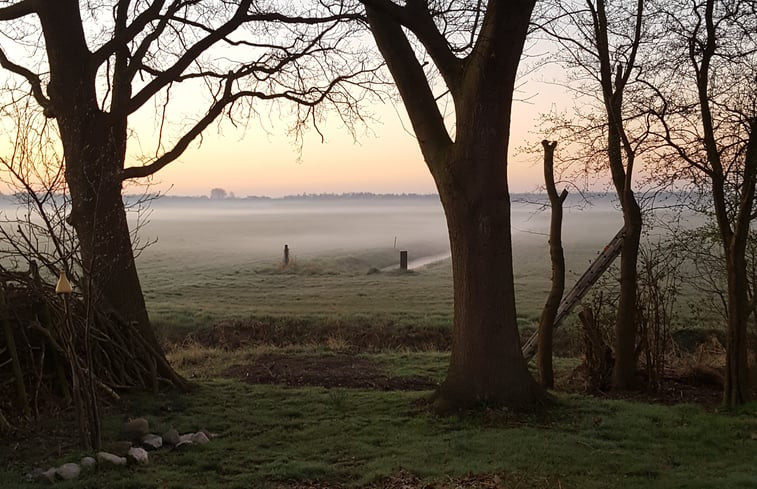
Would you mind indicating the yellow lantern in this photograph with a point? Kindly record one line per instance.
(63, 286)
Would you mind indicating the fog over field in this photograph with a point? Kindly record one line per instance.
(231, 230)
(209, 259)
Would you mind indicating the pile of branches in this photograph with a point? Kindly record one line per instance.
(59, 350)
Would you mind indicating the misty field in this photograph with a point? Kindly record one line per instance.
(321, 412)
(223, 259)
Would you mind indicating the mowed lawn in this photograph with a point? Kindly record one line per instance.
(279, 436)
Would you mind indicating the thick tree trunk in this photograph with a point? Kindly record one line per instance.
(557, 257)
(94, 145)
(487, 366)
(624, 369)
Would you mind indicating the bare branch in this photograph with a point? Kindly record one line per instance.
(31, 77)
(18, 10)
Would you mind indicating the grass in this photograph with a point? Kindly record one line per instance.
(272, 435)
(184, 293)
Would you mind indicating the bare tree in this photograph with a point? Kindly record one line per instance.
(557, 257)
(475, 51)
(709, 126)
(92, 65)
(601, 43)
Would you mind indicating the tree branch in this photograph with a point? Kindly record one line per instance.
(127, 34)
(30, 77)
(18, 10)
(412, 84)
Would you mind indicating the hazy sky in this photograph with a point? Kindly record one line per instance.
(385, 159)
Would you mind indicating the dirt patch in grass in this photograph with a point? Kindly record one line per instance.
(324, 371)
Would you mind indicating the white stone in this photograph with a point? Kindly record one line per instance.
(138, 455)
(186, 437)
(110, 458)
(87, 463)
(183, 443)
(200, 438)
(152, 442)
(68, 471)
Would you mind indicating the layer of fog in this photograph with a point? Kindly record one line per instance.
(257, 230)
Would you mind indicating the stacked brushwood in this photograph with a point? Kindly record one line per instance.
(57, 351)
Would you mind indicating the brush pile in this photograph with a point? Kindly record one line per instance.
(57, 350)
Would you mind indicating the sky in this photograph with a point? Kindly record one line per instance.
(385, 158)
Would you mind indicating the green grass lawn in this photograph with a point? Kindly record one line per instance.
(273, 436)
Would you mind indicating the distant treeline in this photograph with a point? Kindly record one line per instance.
(310, 196)
(523, 198)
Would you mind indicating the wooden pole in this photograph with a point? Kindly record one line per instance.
(286, 255)
(403, 260)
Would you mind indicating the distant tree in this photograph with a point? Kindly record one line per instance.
(218, 194)
(93, 65)
(708, 120)
(476, 51)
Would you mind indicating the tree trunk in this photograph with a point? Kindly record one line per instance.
(487, 366)
(735, 246)
(557, 257)
(624, 369)
(470, 172)
(736, 381)
(94, 145)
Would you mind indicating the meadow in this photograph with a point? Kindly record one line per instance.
(321, 412)
(223, 259)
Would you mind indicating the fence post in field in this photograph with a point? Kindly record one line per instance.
(286, 255)
(403, 260)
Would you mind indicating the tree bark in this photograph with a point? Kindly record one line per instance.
(621, 158)
(624, 369)
(557, 257)
(94, 144)
(736, 388)
(486, 366)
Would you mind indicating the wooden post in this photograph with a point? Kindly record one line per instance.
(286, 255)
(403, 260)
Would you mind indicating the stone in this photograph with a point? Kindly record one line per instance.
(183, 443)
(49, 475)
(171, 437)
(135, 429)
(200, 438)
(41, 475)
(186, 437)
(152, 442)
(88, 463)
(138, 455)
(68, 471)
(110, 458)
